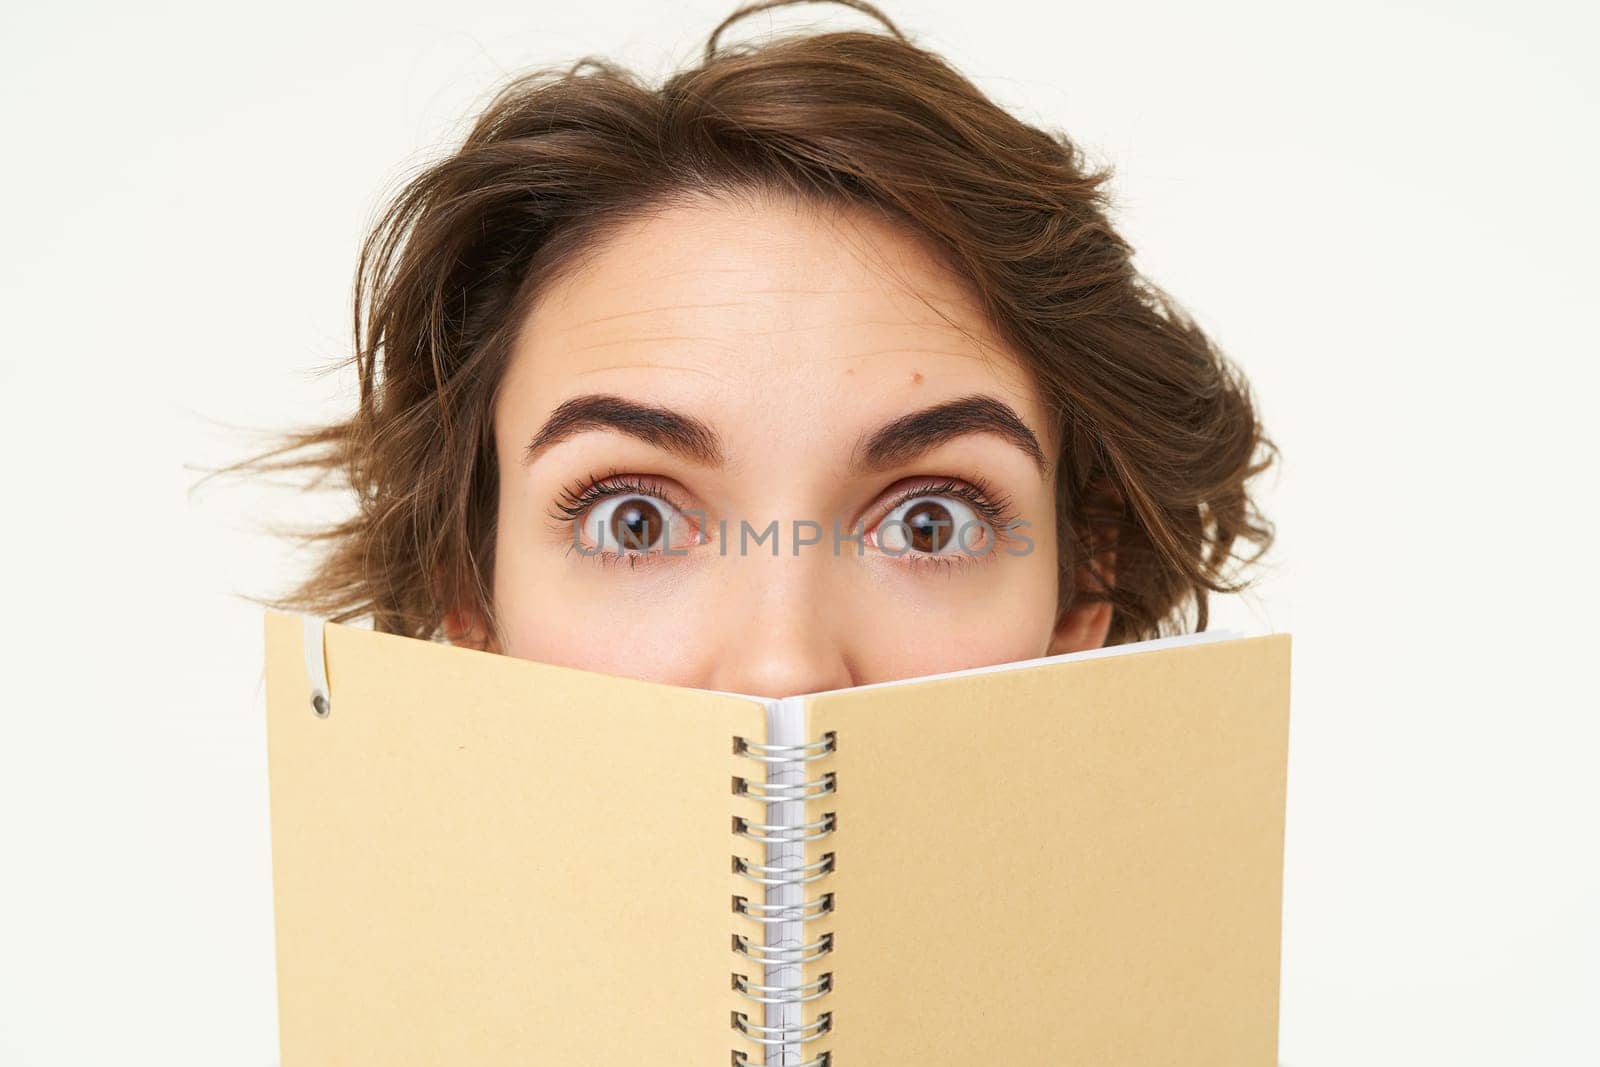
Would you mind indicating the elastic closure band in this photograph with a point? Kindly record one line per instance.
(317, 664)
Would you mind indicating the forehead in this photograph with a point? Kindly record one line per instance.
(762, 314)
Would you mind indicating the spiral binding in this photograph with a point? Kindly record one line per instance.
(772, 905)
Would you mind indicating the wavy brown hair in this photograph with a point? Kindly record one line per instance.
(1158, 434)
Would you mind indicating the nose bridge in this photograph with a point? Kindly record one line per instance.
(780, 633)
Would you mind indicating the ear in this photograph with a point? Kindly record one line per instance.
(464, 627)
(1085, 624)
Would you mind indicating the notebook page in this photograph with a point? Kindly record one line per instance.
(1091, 653)
(479, 859)
(1126, 648)
(1078, 862)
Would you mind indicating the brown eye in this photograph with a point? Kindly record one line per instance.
(932, 525)
(636, 525)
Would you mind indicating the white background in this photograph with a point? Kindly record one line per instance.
(1384, 213)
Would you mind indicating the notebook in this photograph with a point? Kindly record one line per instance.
(483, 860)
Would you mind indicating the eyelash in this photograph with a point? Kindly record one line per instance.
(573, 502)
(994, 508)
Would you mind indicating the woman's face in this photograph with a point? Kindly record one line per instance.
(687, 420)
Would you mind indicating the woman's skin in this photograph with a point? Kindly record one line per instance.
(729, 360)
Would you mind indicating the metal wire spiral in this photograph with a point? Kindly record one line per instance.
(774, 902)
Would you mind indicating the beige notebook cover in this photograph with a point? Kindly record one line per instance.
(481, 860)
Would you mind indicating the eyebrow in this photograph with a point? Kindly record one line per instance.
(921, 431)
(662, 427)
(897, 442)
